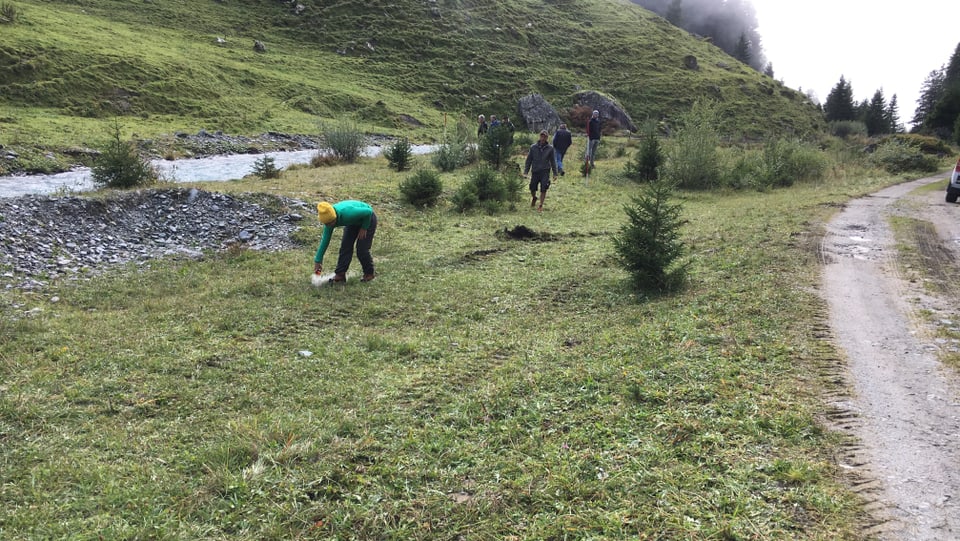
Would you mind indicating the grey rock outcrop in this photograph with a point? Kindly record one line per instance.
(608, 107)
(537, 113)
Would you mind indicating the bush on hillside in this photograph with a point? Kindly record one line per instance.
(897, 157)
(487, 189)
(925, 143)
(344, 139)
(648, 245)
(422, 189)
(119, 165)
(399, 155)
(692, 159)
(847, 128)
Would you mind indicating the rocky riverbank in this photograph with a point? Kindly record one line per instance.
(46, 238)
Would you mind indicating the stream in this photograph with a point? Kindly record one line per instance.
(213, 168)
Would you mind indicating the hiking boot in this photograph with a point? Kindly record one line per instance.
(339, 277)
(562, 172)
(368, 277)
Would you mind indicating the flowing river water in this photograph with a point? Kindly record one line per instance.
(214, 168)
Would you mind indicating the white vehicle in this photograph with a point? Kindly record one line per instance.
(953, 189)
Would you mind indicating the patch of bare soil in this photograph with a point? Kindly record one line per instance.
(904, 404)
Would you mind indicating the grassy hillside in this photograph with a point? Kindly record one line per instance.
(68, 70)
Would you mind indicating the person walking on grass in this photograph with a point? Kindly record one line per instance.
(541, 159)
(481, 126)
(359, 224)
(562, 139)
(593, 137)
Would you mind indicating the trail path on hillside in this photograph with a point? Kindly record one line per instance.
(904, 405)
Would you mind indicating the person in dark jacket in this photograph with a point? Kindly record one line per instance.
(481, 126)
(593, 137)
(541, 159)
(562, 139)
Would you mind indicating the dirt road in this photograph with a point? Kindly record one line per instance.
(904, 405)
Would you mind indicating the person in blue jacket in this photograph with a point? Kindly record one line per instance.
(562, 139)
(359, 224)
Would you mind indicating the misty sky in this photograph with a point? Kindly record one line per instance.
(872, 43)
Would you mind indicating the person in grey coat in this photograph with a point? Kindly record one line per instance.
(541, 159)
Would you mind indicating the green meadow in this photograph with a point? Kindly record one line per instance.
(480, 388)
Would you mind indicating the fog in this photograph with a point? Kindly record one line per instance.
(723, 21)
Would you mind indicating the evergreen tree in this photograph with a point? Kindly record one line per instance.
(893, 116)
(930, 94)
(875, 117)
(839, 105)
(742, 51)
(675, 13)
(943, 117)
(768, 70)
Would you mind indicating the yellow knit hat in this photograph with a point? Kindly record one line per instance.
(326, 213)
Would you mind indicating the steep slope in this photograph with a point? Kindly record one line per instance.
(68, 69)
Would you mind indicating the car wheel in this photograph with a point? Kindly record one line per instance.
(951, 197)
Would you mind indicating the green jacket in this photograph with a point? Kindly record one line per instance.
(348, 213)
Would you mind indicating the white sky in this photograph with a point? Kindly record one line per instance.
(874, 44)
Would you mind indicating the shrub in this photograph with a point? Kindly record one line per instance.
(692, 160)
(897, 157)
(8, 13)
(399, 154)
(344, 139)
(422, 189)
(265, 167)
(648, 245)
(847, 128)
(496, 145)
(646, 164)
(324, 159)
(452, 153)
(487, 189)
(785, 162)
(926, 143)
(119, 165)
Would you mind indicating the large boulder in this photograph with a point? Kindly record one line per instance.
(608, 107)
(537, 113)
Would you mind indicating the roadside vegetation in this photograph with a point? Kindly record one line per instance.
(487, 385)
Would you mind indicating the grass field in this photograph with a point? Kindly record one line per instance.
(480, 388)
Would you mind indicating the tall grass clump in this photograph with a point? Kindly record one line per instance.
(487, 189)
(8, 13)
(896, 156)
(649, 245)
(692, 159)
(344, 139)
(399, 155)
(119, 165)
(453, 152)
(421, 189)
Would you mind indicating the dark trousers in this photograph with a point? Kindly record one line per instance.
(350, 233)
